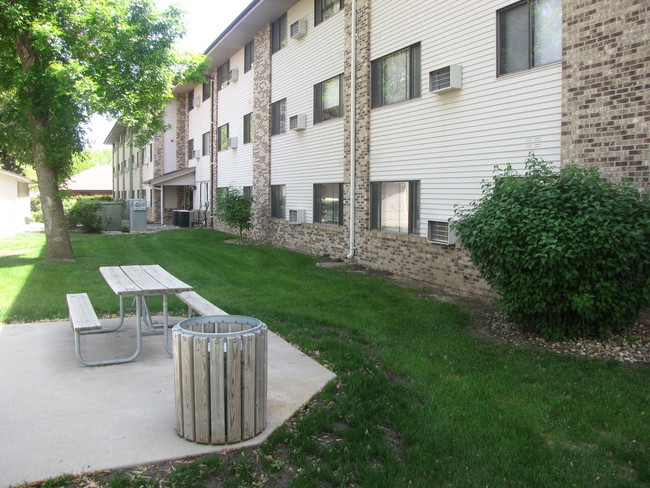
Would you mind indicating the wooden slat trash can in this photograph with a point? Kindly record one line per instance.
(220, 378)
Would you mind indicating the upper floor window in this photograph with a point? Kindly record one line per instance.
(222, 137)
(205, 144)
(529, 35)
(396, 76)
(279, 34)
(395, 206)
(206, 90)
(279, 117)
(248, 128)
(190, 149)
(190, 100)
(249, 56)
(327, 99)
(328, 203)
(223, 76)
(324, 9)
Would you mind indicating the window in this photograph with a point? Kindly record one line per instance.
(327, 99)
(248, 128)
(328, 203)
(396, 77)
(222, 75)
(205, 144)
(279, 117)
(150, 152)
(222, 137)
(278, 201)
(247, 191)
(279, 34)
(324, 9)
(249, 56)
(395, 207)
(190, 100)
(190, 149)
(206, 90)
(529, 35)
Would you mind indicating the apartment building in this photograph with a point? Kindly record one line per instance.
(359, 126)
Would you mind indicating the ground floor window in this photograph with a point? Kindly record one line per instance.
(395, 206)
(328, 203)
(279, 201)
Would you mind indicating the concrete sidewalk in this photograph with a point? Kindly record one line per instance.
(61, 417)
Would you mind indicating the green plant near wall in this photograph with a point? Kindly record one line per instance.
(84, 213)
(568, 252)
(235, 209)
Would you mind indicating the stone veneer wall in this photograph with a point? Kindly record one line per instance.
(606, 92)
(182, 129)
(153, 213)
(262, 135)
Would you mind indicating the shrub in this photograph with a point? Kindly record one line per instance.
(36, 209)
(84, 213)
(235, 209)
(567, 252)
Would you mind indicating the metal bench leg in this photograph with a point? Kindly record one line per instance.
(77, 348)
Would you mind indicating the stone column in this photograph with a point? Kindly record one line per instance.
(262, 135)
(605, 99)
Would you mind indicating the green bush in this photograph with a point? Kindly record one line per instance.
(567, 252)
(85, 213)
(36, 209)
(235, 209)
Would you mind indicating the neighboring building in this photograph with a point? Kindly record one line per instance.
(443, 92)
(14, 203)
(97, 180)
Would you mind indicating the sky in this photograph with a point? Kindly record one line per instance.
(205, 20)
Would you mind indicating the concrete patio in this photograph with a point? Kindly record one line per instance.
(60, 417)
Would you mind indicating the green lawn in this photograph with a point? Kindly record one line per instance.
(418, 402)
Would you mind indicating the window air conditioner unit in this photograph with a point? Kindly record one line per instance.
(197, 101)
(233, 75)
(231, 142)
(298, 29)
(296, 216)
(446, 79)
(298, 122)
(197, 154)
(440, 233)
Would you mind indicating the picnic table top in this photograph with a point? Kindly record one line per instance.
(134, 280)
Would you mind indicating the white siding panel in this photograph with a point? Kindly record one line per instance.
(315, 155)
(451, 141)
(235, 166)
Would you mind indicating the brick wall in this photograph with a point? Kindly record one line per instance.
(606, 87)
(182, 130)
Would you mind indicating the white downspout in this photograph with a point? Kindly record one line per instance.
(353, 126)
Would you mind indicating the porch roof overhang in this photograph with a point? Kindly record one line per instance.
(180, 177)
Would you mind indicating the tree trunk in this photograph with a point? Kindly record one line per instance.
(57, 237)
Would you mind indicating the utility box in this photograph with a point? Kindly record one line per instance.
(137, 214)
(111, 214)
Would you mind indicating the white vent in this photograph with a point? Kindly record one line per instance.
(298, 29)
(445, 79)
(197, 101)
(440, 233)
(298, 122)
(231, 142)
(296, 216)
(233, 75)
(197, 154)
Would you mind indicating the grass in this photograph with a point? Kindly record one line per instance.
(418, 401)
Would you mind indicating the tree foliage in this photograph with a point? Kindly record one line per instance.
(235, 209)
(65, 60)
(568, 252)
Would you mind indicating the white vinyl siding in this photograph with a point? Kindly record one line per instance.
(235, 166)
(451, 142)
(314, 155)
